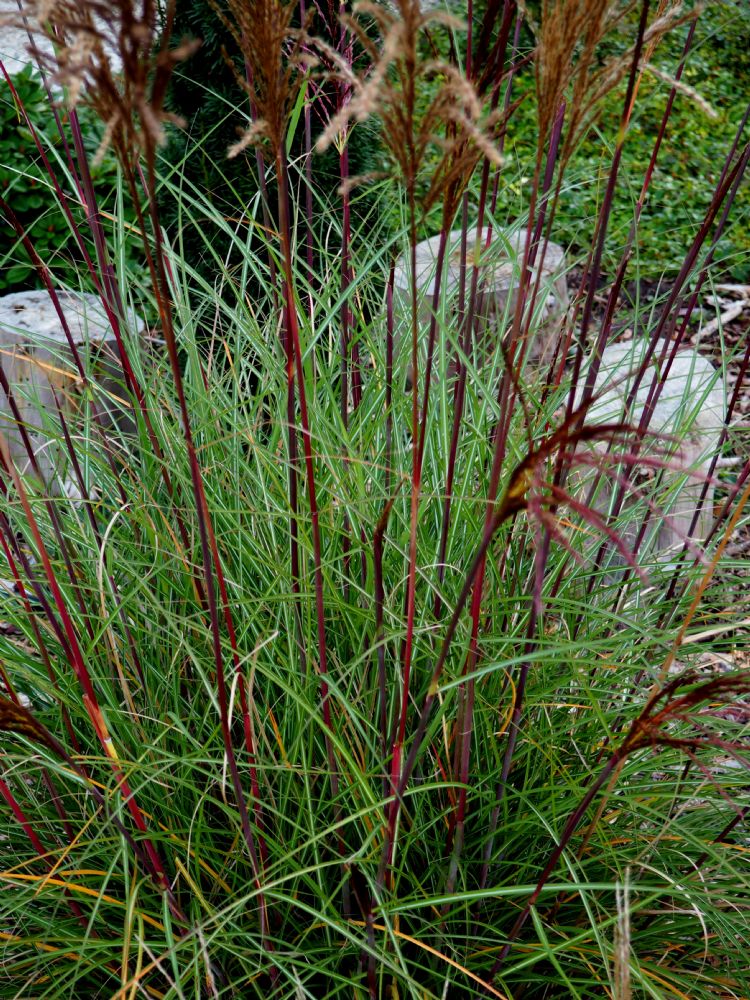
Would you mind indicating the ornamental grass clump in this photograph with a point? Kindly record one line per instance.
(316, 686)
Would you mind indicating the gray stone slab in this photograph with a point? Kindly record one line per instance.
(684, 430)
(38, 363)
(15, 47)
(500, 265)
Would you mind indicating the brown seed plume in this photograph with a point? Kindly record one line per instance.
(453, 124)
(274, 63)
(569, 61)
(114, 56)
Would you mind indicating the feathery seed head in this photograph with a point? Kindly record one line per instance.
(116, 58)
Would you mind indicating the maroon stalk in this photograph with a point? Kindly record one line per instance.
(307, 122)
(345, 333)
(294, 364)
(667, 313)
(614, 293)
(466, 321)
(211, 563)
(543, 551)
(89, 696)
(569, 829)
(380, 532)
(43, 272)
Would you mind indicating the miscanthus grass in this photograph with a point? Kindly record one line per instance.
(328, 681)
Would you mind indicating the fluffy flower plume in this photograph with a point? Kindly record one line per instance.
(114, 56)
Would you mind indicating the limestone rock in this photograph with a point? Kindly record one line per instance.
(38, 363)
(499, 276)
(685, 429)
(15, 47)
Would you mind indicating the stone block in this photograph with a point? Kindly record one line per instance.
(684, 431)
(499, 278)
(38, 363)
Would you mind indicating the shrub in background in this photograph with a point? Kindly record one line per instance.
(207, 96)
(24, 183)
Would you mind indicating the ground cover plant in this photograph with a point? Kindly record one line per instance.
(322, 674)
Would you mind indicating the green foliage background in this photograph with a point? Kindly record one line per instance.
(206, 94)
(689, 163)
(25, 185)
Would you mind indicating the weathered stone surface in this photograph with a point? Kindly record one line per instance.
(685, 428)
(14, 39)
(38, 363)
(15, 46)
(499, 274)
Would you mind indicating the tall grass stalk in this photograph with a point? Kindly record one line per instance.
(328, 678)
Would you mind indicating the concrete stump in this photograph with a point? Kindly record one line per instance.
(38, 363)
(15, 45)
(689, 416)
(499, 277)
